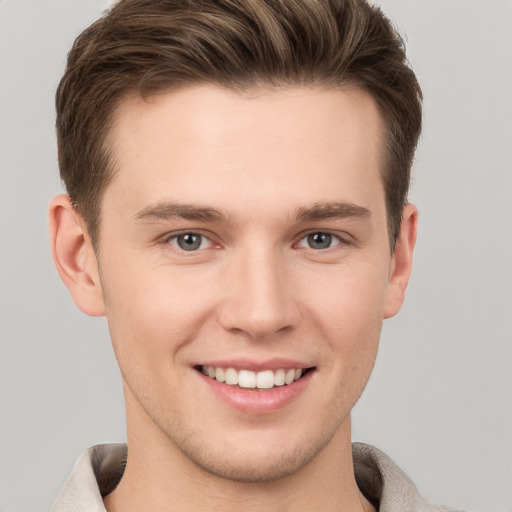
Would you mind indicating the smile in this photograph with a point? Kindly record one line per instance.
(266, 379)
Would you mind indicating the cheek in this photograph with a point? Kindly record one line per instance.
(151, 311)
(349, 298)
(349, 313)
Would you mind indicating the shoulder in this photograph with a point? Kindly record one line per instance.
(95, 474)
(385, 484)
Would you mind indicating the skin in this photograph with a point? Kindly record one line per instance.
(274, 167)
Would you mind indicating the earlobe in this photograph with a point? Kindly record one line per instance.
(401, 262)
(74, 256)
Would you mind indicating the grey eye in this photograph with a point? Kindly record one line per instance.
(189, 241)
(319, 240)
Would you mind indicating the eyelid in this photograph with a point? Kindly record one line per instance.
(168, 237)
(342, 238)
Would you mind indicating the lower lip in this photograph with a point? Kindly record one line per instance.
(253, 401)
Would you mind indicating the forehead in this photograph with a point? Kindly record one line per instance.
(306, 143)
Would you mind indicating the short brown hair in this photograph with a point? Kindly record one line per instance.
(152, 46)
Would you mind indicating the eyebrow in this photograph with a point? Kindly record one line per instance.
(335, 210)
(166, 210)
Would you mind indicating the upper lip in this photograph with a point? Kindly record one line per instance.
(257, 366)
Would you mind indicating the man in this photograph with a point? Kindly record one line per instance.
(237, 175)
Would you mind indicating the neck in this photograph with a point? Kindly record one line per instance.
(159, 477)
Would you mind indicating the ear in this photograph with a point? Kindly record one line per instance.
(74, 256)
(401, 262)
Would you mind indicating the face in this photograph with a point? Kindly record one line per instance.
(245, 271)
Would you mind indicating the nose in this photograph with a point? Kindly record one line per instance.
(258, 295)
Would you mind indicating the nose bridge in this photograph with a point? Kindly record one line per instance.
(259, 301)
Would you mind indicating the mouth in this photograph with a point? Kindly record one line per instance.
(264, 380)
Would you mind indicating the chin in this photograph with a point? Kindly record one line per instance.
(260, 457)
(255, 467)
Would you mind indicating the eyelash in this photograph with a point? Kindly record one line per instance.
(330, 236)
(173, 240)
(176, 236)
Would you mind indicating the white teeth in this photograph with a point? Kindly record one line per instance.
(279, 378)
(265, 379)
(219, 374)
(231, 376)
(290, 375)
(246, 379)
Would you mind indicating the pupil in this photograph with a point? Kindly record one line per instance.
(320, 240)
(189, 242)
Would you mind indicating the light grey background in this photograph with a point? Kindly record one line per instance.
(440, 400)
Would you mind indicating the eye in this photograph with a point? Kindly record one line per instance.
(190, 242)
(319, 240)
